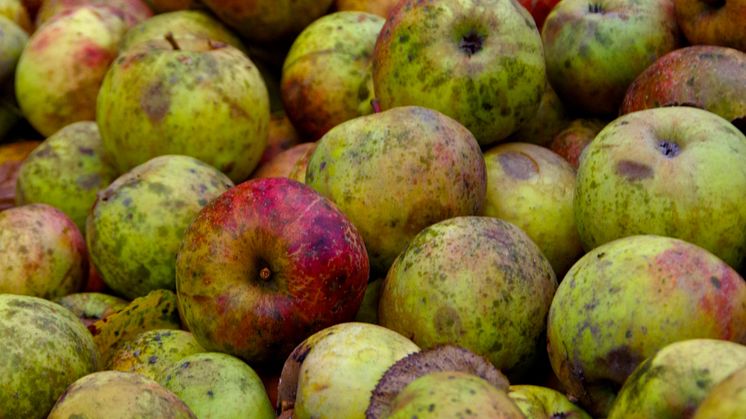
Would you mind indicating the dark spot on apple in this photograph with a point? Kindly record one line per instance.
(559, 415)
(518, 165)
(210, 394)
(447, 322)
(633, 171)
(404, 38)
(155, 102)
(620, 362)
(668, 148)
(471, 43)
(715, 282)
(595, 8)
(86, 150)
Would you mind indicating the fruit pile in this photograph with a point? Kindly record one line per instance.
(372, 208)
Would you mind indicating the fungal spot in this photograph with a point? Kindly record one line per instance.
(471, 43)
(152, 360)
(155, 102)
(668, 148)
(518, 165)
(447, 321)
(633, 171)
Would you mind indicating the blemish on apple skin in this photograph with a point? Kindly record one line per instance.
(518, 165)
(633, 171)
(156, 102)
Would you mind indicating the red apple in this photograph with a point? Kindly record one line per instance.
(267, 264)
(539, 9)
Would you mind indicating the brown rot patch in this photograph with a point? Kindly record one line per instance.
(155, 102)
(518, 165)
(633, 171)
(620, 362)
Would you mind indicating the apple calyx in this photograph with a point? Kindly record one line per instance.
(668, 148)
(471, 43)
(595, 8)
(171, 40)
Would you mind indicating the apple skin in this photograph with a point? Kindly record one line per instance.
(153, 351)
(268, 20)
(284, 163)
(460, 280)
(377, 7)
(672, 382)
(595, 50)
(533, 188)
(701, 76)
(190, 96)
(91, 306)
(667, 171)
(11, 158)
(42, 252)
(550, 119)
(282, 137)
(165, 6)
(131, 11)
(13, 39)
(572, 141)
(45, 348)
(16, 12)
(541, 402)
(539, 9)
(712, 22)
(298, 171)
(326, 78)
(626, 299)
(267, 264)
(66, 171)
(479, 62)
(726, 399)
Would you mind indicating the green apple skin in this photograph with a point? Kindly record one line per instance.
(451, 394)
(61, 69)
(42, 252)
(130, 11)
(395, 172)
(326, 77)
(153, 351)
(549, 120)
(719, 23)
(477, 282)
(538, 402)
(479, 62)
(726, 399)
(368, 312)
(190, 96)
(91, 306)
(135, 227)
(533, 188)
(66, 171)
(16, 12)
(217, 385)
(666, 171)
(595, 50)
(181, 23)
(346, 359)
(572, 141)
(45, 348)
(12, 41)
(626, 299)
(377, 7)
(674, 381)
(118, 395)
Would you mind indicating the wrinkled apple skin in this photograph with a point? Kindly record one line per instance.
(633, 180)
(626, 299)
(712, 22)
(153, 351)
(66, 171)
(726, 399)
(12, 156)
(267, 264)
(377, 7)
(268, 20)
(477, 282)
(197, 97)
(42, 252)
(326, 78)
(451, 394)
(424, 57)
(136, 225)
(61, 69)
(703, 76)
(217, 385)
(120, 395)
(533, 188)
(45, 348)
(595, 50)
(572, 141)
(349, 359)
(12, 41)
(676, 379)
(538, 402)
(395, 172)
(131, 11)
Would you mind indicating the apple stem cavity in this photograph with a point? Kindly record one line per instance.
(265, 273)
(471, 43)
(668, 148)
(171, 40)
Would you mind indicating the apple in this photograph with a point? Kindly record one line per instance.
(214, 384)
(572, 141)
(624, 300)
(726, 399)
(136, 225)
(672, 382)
(42, 252)
(594, 50)
(165, 6)
(533, 188)
(298, 171)
(282, 137)
(91, 306)
(268, 20)
(66, 171)
(543, 402)
(702, 76)
(479, 62)
(550, 119)
(119, 394)
(61, 69)
(153, 351)
(377, 7)
(668, 171)
(131, 11)
(12, 41)
(184, 95)
(265, 265)
(45, 348)
(368, 312)
(16, 12)
(476, 282)
(539, 9)
(283, 164)
(395, 172)
(326, 78)
(713, 22)
(11, 158)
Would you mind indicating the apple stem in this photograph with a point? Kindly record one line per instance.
(171, 40)
(376, 105)
(265, 273)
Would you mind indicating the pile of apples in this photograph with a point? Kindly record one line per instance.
(373, 208)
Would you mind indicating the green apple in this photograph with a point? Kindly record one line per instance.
(726, 399)
(12, 41)
(624, 300)
(672, 171)
(16, 12)
(91, 306)
(368, 312)
(481, 62)
(538, 402)
(672, 382)
(549, 120)
(131, 11)
(396, 172)
(135, 227)
(533, 188)
(153, 351)
(326, 78)
(477, 282)
(66, 171)
(184, 95)
(216, 385)
(377, 7)
(45, 348)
